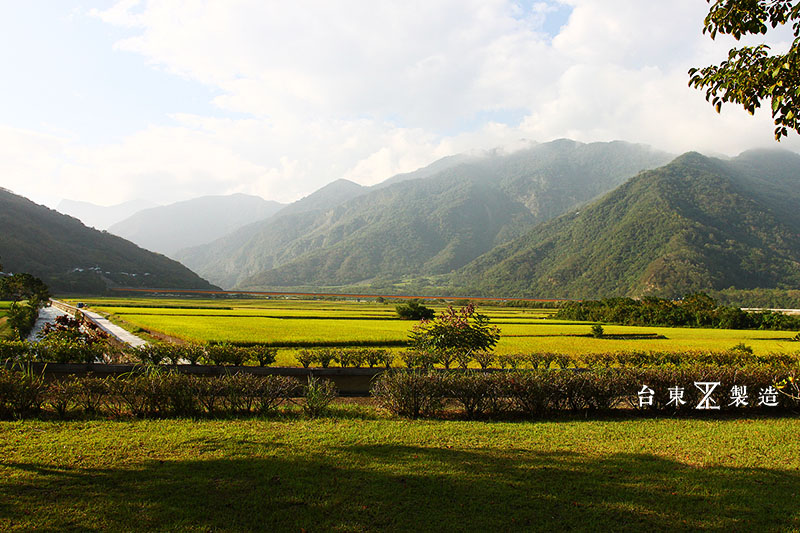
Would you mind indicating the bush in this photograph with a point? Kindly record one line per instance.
(532, 392)
(510, 360)
(305, 358)
(272, 390)
(21, 392)
(378, 357)
(475, 391)
(318, 395)
(350, 357)
(62, 395)
(226, 354)
(193, 353)
(153, 354)
(410, 394)
(597, 331)
(424, 359)
(484, 359)
(263, 355)
(414, 310)
(16, 350)
(69, 351)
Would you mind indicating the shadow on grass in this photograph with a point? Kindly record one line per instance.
(401, 488)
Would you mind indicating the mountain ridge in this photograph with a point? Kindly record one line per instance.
(70, 257)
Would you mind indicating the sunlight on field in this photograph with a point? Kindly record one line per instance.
(291, 323)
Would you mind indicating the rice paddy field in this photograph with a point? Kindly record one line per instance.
(294, 324)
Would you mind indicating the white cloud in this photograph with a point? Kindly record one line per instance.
(311, 91)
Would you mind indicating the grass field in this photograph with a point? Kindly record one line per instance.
(4, 329)
(364, 472)
(294, 322)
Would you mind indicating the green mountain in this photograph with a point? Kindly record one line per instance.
(261, 245)
(695, 224)
(429, 222)
(169, 228)
(70, 257)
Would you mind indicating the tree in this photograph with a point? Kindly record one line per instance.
(23, 286)
(464, 331)
(413, 310)
(752, 74)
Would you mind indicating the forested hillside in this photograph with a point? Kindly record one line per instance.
(430, 222)
(695, 224)
(70, 257)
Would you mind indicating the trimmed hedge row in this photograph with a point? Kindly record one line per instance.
(537, 393)
(65, 351)
(155, 394)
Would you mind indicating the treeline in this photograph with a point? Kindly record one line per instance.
(695, 310)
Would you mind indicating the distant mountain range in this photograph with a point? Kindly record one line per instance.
(101, 217)
(429, 222)
(559, 219)
(696, 224)
(169, 228)
(70, 257)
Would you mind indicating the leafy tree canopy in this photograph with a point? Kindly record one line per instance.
(464, 330)
(413, 310)
(752, 74)
(23, 286)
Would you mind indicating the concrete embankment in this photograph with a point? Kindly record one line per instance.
(120, 334)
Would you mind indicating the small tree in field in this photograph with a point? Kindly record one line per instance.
(464, 331)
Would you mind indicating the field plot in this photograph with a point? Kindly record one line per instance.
(298, 323)
(368, 473)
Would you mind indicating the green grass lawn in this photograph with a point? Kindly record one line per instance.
(290, 322)
(4, 329)
(369, 473)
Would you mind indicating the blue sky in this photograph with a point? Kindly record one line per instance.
(172, 100)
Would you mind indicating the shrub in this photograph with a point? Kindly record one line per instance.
(474, 391)
(378, 357)
(16, 350)
(69, 351)
(595, 390)
(533, 392)
(410, 394)
(510, 360)
(272, 390)
(540, 360)
(21, 392)
(419, 358)
(62, 395)
(152, 354)
(90, 394)
(193, 353)
(263, 355)
(318, 395)
(463, 359)
(348, 357)
(484, 359)
(324, 356)
(597, 331)
(446, 357)
(414, 310)
(226, 354)
(306, 358)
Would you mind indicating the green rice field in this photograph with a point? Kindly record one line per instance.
(297, 323)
